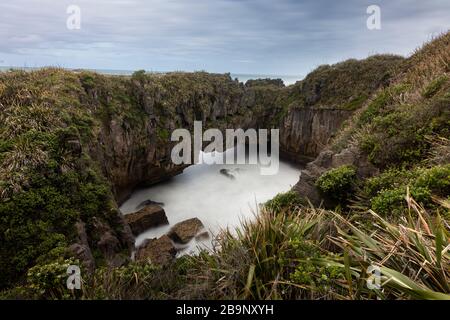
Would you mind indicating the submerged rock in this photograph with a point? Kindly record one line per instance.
(146, 218)
(185, 231)
(159, 251)
(227, 173)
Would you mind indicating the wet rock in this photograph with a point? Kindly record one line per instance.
(159, 251)
(185, 231)
(149, 203)
(202, 236)
(149, 217)
(227, 173)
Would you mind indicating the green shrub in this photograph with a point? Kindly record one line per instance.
(436, 179)
(87, 81)
(388, 190)
(389, 202)
(287, 201)
(355, 103)
(434, 86)
(139, 75)
(49, 281)
(163, 134)
(318, 278)
(308, 272)
(392, 177)
(337, 183)
(374, 108)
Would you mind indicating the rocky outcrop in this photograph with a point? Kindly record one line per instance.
(185, 231)
(159, 251)
(149, 217)
(81, 249)
(134, 148)
(306, 131)
(325, 161)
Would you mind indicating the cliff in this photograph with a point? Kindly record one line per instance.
(73, 145)
(318, 105)
(398, 135)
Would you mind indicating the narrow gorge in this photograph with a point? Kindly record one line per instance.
(95, 138)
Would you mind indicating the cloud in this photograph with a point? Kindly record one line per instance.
(247, 36)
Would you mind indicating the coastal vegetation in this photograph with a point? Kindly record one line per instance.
(384, 198)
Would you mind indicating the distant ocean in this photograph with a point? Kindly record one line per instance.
(287, 79)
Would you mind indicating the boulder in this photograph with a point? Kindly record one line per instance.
(159, 251)
(202, 236)
(183, 232)
(148, 203)
(146, 218)
(227, 174)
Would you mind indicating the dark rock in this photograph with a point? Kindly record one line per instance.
(109, 245)
(146, 218)
(84, 254)
(111, 242)
(227, 174)
(328, 160)
(305, 132)
(185, 231)
(265, 82)
(202, 236)
(118, 261)
(148, 203)
(124, 233)
(159, 251)
(81, 249)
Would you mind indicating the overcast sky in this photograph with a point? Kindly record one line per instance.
(283, 37)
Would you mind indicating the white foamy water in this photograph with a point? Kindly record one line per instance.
(219, 202)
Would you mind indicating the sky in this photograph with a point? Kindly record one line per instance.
(282, 37)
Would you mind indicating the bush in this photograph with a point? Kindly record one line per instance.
(50, 280)
(388, 190)
(139, 75)
(337, 183)
(436, 179)
(434, 86)
(389, 201)
(287, 201)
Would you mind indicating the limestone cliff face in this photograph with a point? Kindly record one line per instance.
(306, 131)
(136, 150)
(91, 139)
(134, 144)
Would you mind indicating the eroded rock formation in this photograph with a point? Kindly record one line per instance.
(185, 231)
(148, 217)
(94, 138)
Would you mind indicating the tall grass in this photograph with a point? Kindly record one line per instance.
(413, 255)
(319, 254)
